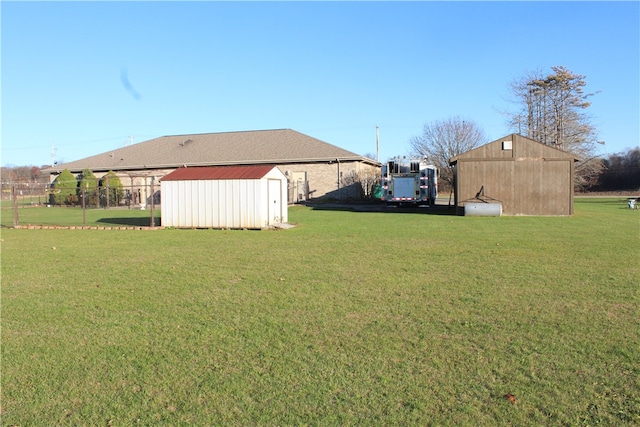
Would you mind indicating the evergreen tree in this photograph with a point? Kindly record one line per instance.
(64, 188)
(552, 110)
(89, 185)
(111, 187)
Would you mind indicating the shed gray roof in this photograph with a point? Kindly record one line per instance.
(210, 149)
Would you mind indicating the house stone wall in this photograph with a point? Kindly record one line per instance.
(326, 179)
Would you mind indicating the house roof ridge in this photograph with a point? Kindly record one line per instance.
(227, 132)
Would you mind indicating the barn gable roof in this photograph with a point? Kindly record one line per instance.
(219, 173)
(277, 146)
(521, 147)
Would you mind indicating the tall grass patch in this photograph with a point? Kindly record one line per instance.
(347, 319)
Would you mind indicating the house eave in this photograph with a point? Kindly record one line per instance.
(57, 170)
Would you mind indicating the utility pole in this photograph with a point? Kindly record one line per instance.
(377, 145)
(53, 154)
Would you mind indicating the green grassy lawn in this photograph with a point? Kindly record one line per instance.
(73, 216)
(347, 319)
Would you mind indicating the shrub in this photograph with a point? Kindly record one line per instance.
(89, 184)
(111, 187)
(64, 186)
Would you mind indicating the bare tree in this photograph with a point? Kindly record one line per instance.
(28, 180)
(443, 139)
(370, 156)
(363, 181)
(552, 110)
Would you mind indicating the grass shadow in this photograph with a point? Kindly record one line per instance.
(438, 209)
(131, 221)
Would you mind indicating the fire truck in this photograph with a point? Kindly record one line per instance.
(409, 181)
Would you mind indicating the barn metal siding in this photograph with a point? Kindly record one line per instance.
(222, 203)
(528, 179)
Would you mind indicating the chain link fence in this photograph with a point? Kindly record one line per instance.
(95, 194)
(143, 193)
(19, 196)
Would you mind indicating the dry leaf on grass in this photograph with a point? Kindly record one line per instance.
(510, 397)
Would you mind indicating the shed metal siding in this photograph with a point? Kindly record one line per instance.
(213, 204)
(222, 203)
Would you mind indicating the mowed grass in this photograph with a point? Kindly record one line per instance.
(347, 319)
(73, 216)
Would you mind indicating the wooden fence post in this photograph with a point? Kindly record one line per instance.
(14, 196)
(153, 220)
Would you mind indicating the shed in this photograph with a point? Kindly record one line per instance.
(523, 175)
(252, 197)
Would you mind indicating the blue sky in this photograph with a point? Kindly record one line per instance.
(89, 77)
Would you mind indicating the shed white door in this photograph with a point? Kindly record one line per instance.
(275, 201)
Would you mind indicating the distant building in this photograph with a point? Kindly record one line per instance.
(314, 169)
(525, 176)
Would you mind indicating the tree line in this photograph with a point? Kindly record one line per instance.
(621, 171)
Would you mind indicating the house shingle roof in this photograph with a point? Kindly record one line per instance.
(211, 149)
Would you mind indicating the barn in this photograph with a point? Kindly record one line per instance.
(252, 197)
(522, 176)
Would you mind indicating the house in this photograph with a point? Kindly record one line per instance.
(253, 197)
(522, 175)
(314, 168)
